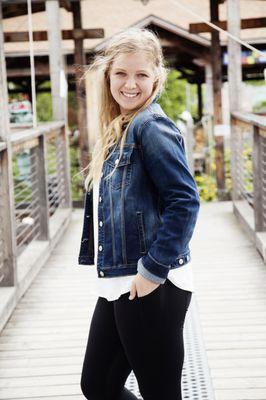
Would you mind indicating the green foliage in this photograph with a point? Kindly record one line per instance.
(207, 182)
(259, 107)
(207, 187)
(256, 82)
(77, 186)
(228, 179)
(44, 107)
(248, 168)
(173, 100)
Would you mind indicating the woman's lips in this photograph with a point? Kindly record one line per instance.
(130, 95)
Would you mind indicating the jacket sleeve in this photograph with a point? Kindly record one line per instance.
(164, 159)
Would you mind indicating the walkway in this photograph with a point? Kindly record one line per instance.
(43, 343)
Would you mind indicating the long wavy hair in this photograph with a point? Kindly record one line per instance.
(113, 125)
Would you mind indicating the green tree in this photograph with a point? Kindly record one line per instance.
(173, 100)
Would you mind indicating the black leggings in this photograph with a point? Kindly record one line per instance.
(144, 335)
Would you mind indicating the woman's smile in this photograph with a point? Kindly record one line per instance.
(130, 95)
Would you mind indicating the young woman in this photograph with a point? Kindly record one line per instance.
(141, 207)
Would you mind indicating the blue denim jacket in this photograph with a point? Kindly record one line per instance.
(148, 209)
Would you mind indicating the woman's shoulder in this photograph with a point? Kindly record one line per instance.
(153, 116)
(150, 113)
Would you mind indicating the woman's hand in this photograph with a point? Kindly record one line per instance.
(141, 286)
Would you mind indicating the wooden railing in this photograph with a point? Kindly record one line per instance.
(248, 144)
(35, 200)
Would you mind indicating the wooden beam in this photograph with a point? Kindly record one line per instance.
(55, 57)
(208, 106)
(66, 4)
(234, 72)
(200, 105)
(216, 62)
(247, 23)
(185, 46)
(66, 35)
(19, 7)
(234, 68)
(80, 61)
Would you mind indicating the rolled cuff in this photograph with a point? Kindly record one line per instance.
(147, 274)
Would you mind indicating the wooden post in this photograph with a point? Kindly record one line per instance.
(79, 58)
(42, 184)
(234, 79)
(55, 56)
(258, 180)
(8, 275)
(67, 203)
(199, 100)
(234, 56)
(209, 90)
(216, 63)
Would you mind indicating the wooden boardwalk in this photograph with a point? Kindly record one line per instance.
(43, 343)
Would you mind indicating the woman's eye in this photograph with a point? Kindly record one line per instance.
(120, 73)
(142, 75)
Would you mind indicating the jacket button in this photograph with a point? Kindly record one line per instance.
(101, 273)
(100, 198)
(102, 174)
(100, 248)
(180, 261)
(101, 223)
(116, 161)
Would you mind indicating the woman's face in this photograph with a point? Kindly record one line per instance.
(131, 80)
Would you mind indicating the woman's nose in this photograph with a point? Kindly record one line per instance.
(130, 83)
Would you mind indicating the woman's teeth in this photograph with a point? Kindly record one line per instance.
(130, 95)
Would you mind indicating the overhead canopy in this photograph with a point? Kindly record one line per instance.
(185, 51)
(15, 8)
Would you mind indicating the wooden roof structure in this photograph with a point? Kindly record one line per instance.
(183, 49)
(16, 8)
(194, 54)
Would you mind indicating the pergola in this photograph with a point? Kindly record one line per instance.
(198, 59)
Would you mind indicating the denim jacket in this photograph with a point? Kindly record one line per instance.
(148, 209)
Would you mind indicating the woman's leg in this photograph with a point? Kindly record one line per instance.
(151, 330)
(105, 366)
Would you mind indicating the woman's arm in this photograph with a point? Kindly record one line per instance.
(164, 158)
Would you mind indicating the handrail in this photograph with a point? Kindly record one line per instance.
(250, 118)
(248, 161)
(34, 185)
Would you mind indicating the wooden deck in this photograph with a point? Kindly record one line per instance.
(43, 343)
(230, 279)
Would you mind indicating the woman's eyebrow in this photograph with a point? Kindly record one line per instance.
(140, 70)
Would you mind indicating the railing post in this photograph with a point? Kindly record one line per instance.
(235, 160)
(66, 168)
(43, 188)
(258, 180)
(8, 272)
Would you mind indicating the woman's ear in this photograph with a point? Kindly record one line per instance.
(155, 83)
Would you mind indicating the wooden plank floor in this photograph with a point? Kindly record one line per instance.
(43, 343)
(230, 284)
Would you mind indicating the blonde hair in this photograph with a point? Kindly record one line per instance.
(111, 121)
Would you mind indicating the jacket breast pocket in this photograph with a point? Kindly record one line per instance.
(122, 174)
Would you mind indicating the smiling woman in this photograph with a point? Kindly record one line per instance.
(132, 78)
(138, 219)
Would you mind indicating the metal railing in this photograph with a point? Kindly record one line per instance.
(2, 209)
(36, 163)
(248, 143)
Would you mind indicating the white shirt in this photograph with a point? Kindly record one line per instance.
(113, 288)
